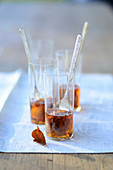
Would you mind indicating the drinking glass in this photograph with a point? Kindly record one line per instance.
(42, 48)
(59, 122)
(36, 86)
(64, 58)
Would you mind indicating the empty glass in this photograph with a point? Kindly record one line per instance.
(42, 48)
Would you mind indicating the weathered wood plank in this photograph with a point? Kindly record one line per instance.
(56, 161)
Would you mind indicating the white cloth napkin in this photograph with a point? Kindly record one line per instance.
(93, 126)
(7, 83)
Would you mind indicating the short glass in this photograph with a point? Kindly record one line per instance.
(59, 122)
(37, 103)
(64, 58)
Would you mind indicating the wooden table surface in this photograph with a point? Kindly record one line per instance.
(61, 22)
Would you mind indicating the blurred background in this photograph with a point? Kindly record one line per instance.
(60, 20)
(110, 2)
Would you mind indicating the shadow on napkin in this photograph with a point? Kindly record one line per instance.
(15, 105)
(8, 81)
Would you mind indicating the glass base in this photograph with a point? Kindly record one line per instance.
(77, 109)
(37, 122)
(61, 139)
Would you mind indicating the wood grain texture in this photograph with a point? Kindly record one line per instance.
(56, 161)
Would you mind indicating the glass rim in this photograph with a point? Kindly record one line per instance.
(43, 40)
(56, 75)
(63, 51)
(53, 60)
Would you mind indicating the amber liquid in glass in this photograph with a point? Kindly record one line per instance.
(59, 124)
(77, 106)
(62, 92)
(37, 111)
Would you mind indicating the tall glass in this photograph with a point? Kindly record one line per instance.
(36, 71)
(59, 122)
(64, 58)
(42, 48)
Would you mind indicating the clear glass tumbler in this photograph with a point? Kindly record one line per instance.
(42, 48)
(36, 71)
(64, 58)
(59, 122)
